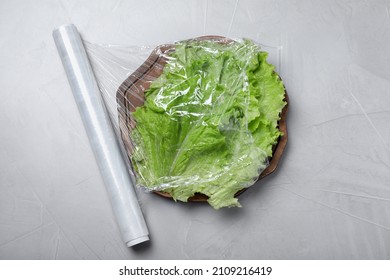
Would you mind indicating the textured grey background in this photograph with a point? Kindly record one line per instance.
(330, 198)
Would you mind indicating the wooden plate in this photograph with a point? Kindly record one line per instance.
(130, 95)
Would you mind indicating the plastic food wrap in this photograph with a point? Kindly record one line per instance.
(196, 117)
(101, 135)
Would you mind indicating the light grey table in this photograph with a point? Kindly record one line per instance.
(329, 199)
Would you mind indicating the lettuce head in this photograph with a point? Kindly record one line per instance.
(209, 122)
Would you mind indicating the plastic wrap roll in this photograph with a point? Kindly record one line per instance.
(101, 135)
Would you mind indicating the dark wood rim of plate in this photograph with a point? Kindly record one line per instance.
(130, 95)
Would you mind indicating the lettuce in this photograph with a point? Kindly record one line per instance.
(209, 122)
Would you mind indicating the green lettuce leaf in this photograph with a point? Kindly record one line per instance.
(209, 122)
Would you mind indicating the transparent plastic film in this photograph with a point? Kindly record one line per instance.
(199, 119)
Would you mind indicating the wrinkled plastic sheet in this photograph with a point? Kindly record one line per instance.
(200, 119)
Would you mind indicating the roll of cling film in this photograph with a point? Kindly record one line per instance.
(112, 165)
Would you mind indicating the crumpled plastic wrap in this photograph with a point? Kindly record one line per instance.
(199, 118)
